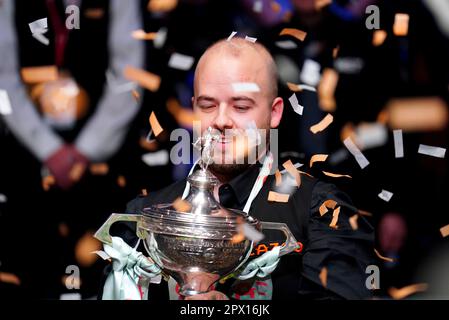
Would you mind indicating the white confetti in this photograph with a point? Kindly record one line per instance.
(103, 255)
(233, 33)
(251, 233)
(39, 26)
(432, 151)
(371, 135)
(286, 44)
(306, 87)
(5, 104)
(159, 158)
(245, 87)
(38, 29)
(41, 38)
(3, 198)
(398, 144)
(180, 61)
(358, 155)
(385, 195)
(295, 104)
(310, 73)
(250, 39)
(348, 65)
(258, 6)
(70, 296)
(161, 35)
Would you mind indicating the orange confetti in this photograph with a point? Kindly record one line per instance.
(99, 169)
(32, 75)
(417, 114)
(334, 221)
(121, 181)
(335, 52)
(11, 278)
(77, 171)
(320, 4)
(237, 238)
(148, 145)
(336, 175)
(155, 126)
(365, 213)
(382, 257)
(144, 78)
(276, 7)
(47, 182)
(142, 35)
(444, 231)
(181, 205)
(317, 158)
(379, 37)
(135, 94)
(161, 5)
(185, 117)
(293, 87)
(323, 276)
(94, 13)
(327, 204)
(63, 229)
(288, 165)
(323, 124)
(407, 291)
(278, 177)
(400, 26)
(84, 248)
(298, 34)
(353, 222)
(308, 174)
(326, 90)
(278, 197)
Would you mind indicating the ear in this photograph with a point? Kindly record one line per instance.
(277, 108)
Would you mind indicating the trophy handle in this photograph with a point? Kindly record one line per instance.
(103, 235)
(290, 241)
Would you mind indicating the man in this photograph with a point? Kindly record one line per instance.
(51, 133)
(342, 251)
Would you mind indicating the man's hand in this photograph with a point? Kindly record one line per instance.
(211, 295)
(67, 165)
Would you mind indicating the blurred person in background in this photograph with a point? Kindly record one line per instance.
(65, 118)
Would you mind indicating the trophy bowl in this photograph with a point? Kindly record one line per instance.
(195, 250)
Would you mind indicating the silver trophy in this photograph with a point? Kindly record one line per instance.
(196, 245)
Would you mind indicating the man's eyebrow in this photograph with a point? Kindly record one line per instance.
(243, 98)
(205, 98)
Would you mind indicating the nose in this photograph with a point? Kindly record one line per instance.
(222, 121)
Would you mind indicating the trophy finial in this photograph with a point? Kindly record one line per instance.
(206, 144)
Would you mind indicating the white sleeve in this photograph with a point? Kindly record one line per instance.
(105, 131)
(24, 121)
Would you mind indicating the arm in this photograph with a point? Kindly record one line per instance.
(105, 130)
(343, 251)
(24, 121)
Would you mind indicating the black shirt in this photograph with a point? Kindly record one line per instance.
(344, 252)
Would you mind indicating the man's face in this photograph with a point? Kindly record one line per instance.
(217, 104)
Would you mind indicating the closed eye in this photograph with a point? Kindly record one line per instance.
(240, 108)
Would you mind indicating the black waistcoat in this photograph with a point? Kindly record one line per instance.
(86, 54)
